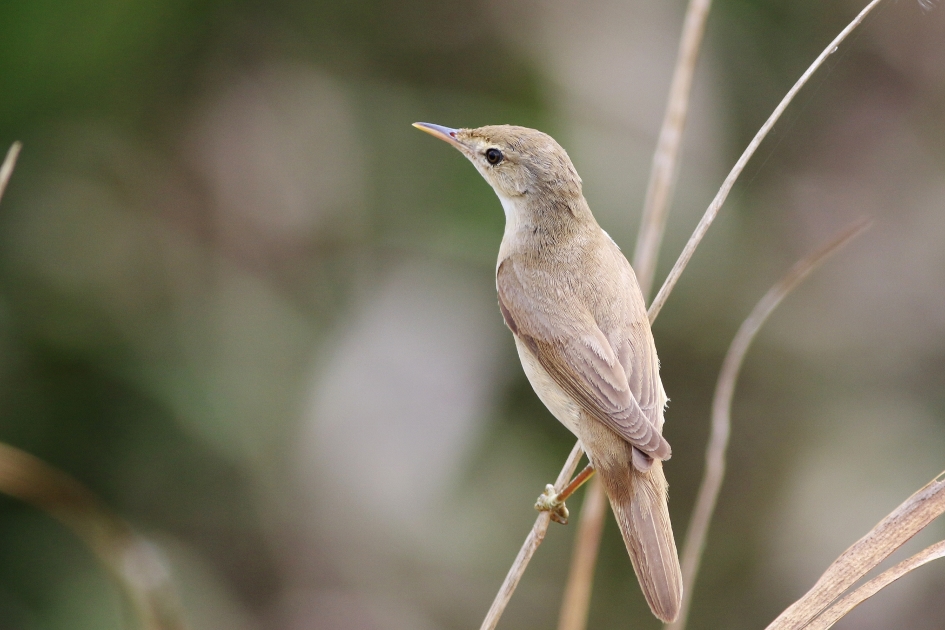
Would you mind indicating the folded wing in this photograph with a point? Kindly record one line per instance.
(608, 383)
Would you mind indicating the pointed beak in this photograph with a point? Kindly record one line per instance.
(441, 132)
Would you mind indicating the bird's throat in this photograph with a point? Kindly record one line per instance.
(520, 224)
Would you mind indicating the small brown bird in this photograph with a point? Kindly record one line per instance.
(579, 321)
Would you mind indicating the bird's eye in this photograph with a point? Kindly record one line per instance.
(493, 156)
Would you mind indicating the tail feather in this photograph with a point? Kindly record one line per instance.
(639, 503)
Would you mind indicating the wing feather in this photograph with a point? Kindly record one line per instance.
(607, 383)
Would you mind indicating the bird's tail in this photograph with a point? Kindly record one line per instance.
(639, 503)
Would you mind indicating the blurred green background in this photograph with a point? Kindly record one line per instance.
(253, 309)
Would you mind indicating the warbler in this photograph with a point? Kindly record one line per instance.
(578, 317)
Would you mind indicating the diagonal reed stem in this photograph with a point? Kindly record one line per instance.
(708, 494)
(135, 564)
(914, 514)
(577, 594)
(535, 536)
(833, 614)
(6, 170)
(659, 191)
(714, 207)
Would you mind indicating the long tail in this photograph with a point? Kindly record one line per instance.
(639, 503)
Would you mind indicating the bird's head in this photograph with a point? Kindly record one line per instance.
(516, 161)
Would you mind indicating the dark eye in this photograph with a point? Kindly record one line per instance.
(493, 156)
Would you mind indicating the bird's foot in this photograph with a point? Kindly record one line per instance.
(549, 502)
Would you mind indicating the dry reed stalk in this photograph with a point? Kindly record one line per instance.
(535, 536)
(714, 207)
(659, 191)
(862, 557)
(6, 170)
(708, 494)
(134, 563)
(852, 600)
(577, 593)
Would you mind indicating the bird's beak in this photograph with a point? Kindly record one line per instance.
(441, 132)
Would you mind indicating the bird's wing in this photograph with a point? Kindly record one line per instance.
(580, 359)
(637, 355)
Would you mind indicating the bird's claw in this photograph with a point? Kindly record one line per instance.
(549, 502)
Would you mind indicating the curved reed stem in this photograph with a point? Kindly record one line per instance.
(714, 207)
(6, 170)
(535, 536)
(134, 562)
(659, 191)
(577, 595)
(722, 412)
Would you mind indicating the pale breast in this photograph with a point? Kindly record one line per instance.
(604, 447)
(559, 403)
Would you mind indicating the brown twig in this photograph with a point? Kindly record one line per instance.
(722, 411)
(535, 536)
(577, 592)
(6, 170)
(134, 563)
(889, 534)
(579, 480)
(577, 596)
(720, 197)
(857, 597)
(659, 191)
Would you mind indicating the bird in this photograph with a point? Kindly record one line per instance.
(580, 325)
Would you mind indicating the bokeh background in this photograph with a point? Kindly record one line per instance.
(254, 310)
